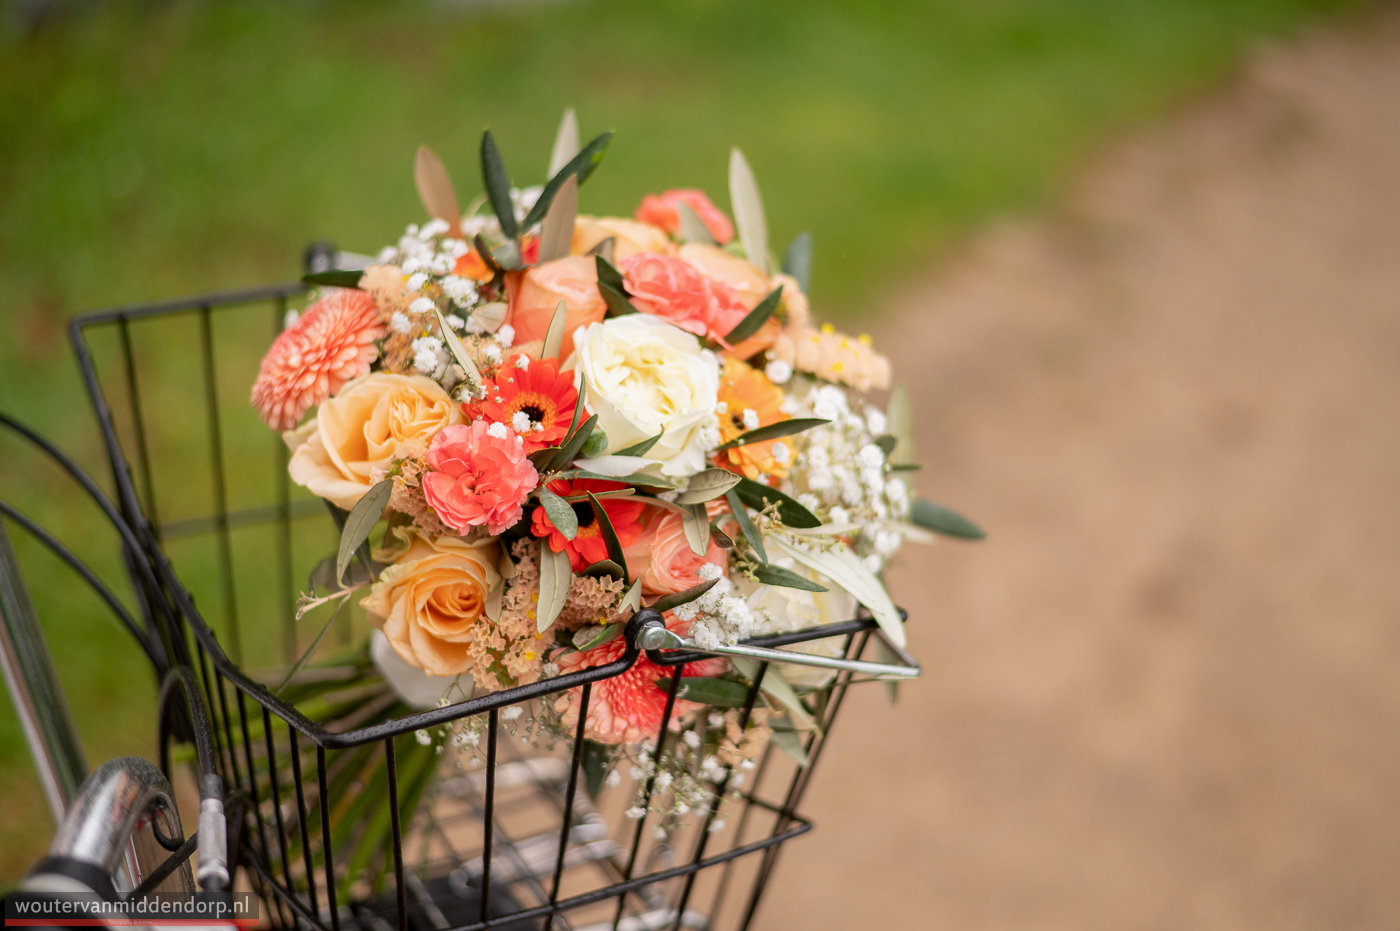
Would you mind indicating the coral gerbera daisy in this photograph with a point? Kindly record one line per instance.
(532, 397)
(588, 545)
(748, 400)
(628, 708)
(332, 343)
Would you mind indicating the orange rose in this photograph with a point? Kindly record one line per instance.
(662, 558)
(574, 280)
(749, 283)
(631, 237)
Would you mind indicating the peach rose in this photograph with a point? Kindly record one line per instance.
(431, 602)
(674, 290)
(574, 280)
(632, 237)
(373, 420)
(750, 284)
(663, 210)
(662, 558)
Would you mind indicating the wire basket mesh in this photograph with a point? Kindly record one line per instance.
(508, 835)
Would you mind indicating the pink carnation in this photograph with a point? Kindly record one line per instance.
(675, 290)
(662, 210)
(331, 344)
(627, 708)
(480, 477)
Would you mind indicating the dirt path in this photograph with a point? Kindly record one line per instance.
(1166, 693)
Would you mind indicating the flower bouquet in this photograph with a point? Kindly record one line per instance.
(531, 423)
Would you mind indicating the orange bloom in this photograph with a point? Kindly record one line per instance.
(541, 392)
(588, 545)
(747, 395)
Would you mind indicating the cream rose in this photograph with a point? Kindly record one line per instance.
(431, 602)
(631, 236)
(786, 609)
(372, 420)
(645, 376)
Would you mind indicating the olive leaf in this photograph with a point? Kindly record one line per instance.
(758, 496)
(773, 430)
(554, 336)
(755, 318)
(746, 527)
(459, 354)
(748, 211)
(775, 684)
(363, 516)
(590, 637)
(565, 142)
(604, 567)
(556, 577)
(845, 568)
(900, 416)
(786, 578)
(693, 229)
(557, 233)
(710, 484)
(609, 534)
(720, 693)
(581, 166)
(335, 278)
(696, 524)
(493, 173)
(670, 602)
(887, 443)
(939, 519)
(632, 599)
(561, 513)
(435, 189)
(642, 448)
(574, 443)
(797, 261)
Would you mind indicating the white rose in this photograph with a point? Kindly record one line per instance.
(785, 609)
(645, 376)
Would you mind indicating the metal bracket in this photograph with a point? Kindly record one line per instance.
(656, 637)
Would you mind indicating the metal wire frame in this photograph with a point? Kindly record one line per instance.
(295, 871)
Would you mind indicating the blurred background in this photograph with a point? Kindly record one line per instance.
(1133, 258)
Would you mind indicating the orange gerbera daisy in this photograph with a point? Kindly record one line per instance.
(536, 401)
(588, 545)
(748, 400)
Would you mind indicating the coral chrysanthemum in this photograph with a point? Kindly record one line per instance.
(750, 400)
(629, 707)
(480, 477)
(588, 545)
(532, 397)
(332, 343)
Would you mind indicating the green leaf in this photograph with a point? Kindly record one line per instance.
(786, 578)
(640, 479)
(323, 578)
(775, 684)
(710, 484)
(939, 519)
(459, 354)
(595, 765)
(493, 172)
(557, 232)
(633, 598)
(483, 249)
(580, 166)
(596, 445)
(790, 742)
(904, 467)
(604, 247)
(335, 278)
(573, 421)
(756, 318)
(541, 458)
(642, 448)
(844, 567)
(774, 430)
(566, 143)
(363, 516)
(900, 416)
(746, 527)
(609, 275)
(721, 693)
(609, 535)
(748, 211)
(604, 567)
(797, 261)
(311, 650)
(561, 513)
(887, 443)
(575, 442)
(618, 304)
(596, 636)
(696, 524)
(671, 602)
(693, 229)
(554, 336)
(719, 536)
(757, 496)
(507, 255)
(556, 576)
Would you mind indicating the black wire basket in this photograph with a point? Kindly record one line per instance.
(516, 837)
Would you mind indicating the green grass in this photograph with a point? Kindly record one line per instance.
(153, 150)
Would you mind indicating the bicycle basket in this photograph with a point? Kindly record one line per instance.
(510, 833)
